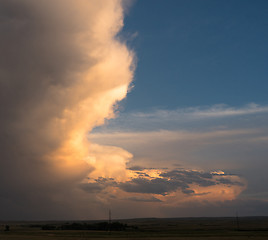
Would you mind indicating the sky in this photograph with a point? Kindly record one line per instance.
(148, 108)
(211, 52)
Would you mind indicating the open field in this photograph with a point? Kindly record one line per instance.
(255, 228)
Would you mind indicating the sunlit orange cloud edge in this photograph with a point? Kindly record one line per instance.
(112, 179)
(94, 95)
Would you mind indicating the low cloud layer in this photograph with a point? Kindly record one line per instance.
(170, 187)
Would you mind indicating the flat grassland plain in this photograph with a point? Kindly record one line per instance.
(255, 228)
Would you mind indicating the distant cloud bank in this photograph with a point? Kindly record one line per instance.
(197, 155)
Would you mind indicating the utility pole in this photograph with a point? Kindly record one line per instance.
(237, 221)
(110, 221)
(110, 217)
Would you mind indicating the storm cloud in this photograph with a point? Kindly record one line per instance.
(62, 71)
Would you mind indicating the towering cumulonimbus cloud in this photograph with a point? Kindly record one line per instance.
(62, 70)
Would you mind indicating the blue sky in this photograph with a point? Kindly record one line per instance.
(196, 53)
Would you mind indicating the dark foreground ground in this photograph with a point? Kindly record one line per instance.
(254, 228)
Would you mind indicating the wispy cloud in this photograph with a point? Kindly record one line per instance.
(184, 118)
(219, 110)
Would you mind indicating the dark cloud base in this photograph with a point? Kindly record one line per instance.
(166, 183)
